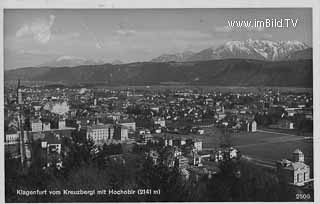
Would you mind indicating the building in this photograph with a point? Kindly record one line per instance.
(51, 146)
(100, 134)
(226, 154)
(168, 142)
(120, 133)
(131, 125)
(159, 121)
(12, 138)
(198, 145)
(36, 125)
(61, 124)
(53, 143)
(46, 126)
(233, 153)
(66, 132)
(106, 133)
(295, 172)
(252, 126)
(154, 155)
(147, 138)
(182, 162)
(285, 124)
(19, 94)
(201, 131)
(291, 111)
(220, 115)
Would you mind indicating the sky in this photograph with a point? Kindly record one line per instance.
(36, 36)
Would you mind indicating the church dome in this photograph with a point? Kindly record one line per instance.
(298, 156)
(297, 151)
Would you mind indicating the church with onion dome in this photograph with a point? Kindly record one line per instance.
(296, 172)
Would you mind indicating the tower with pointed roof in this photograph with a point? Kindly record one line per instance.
(19, 94)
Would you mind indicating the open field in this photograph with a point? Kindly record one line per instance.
(271, 146)
(267, 146)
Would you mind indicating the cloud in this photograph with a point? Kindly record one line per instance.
(124, 32)
(227, 29)
(40, 30)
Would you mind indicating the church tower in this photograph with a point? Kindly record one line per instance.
(19, 94)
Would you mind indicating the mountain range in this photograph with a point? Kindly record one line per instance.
(249, 49)
(235, 63)
(225, 72)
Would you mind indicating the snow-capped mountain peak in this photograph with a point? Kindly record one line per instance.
(251, 49)
(177, 57)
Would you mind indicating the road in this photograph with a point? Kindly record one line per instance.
(259, 162)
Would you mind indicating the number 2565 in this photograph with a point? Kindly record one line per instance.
(303, 196)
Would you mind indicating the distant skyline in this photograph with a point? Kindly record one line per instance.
(36, 36)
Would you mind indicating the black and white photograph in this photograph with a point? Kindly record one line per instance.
(158, 105)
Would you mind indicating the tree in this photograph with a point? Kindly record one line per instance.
(225, 139)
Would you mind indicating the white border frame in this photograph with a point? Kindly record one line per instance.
(103, 4)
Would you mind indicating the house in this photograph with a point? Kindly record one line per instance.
(159, 121)
(295, 172)
(233, 153)
(36, 125)
(46, 126)
(285, 124)
(147, 138)
(158, 130)
(177, 152)
(198, 145)
(198, 157)
(51, 145)
(182, 162)
(252, 126)
(183, 141)
(168, 142)
(12, 138)
(226, 154)
(291, 111)
(154, 155)
(220, 115)
(61, 124)
(201, 131)
(196, 160)
(219, 156)
(53, 142)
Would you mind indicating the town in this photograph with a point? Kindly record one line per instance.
(197, 134)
